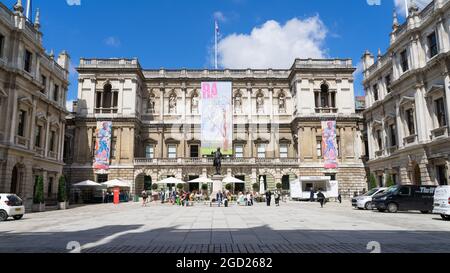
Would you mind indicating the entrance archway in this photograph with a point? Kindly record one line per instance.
(15, 181)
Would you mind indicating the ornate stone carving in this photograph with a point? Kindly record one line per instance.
(173, 103)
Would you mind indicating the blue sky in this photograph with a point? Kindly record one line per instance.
(180, 33)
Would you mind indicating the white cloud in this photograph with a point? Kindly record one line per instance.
(273, 45)
(112, 41)
(219, 16)
(69, 105)
(400, 5)
(73, 2)
(359, 69)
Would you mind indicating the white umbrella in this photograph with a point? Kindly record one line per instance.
(117, 183)
(262, 188)
(171, 180)
(232, 180)
(203, 180)
(87, 183)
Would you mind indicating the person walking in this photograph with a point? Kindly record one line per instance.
(277, 198)
(219, 198)
(340, 198)
(321, 198)
(268, 198)
(311, 195)
(144, 198)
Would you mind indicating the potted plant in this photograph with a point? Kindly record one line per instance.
(180, 187)
(256, 187)
(279, 186)
(205, 188)
(62, 194)
(38, 198)
(228, 187)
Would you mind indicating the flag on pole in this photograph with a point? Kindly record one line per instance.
(216, 37)
(406, 8)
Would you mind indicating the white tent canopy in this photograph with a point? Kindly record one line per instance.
(87, 183)
(232, 180)
(117, 183)
(202, 180)
(171, 180)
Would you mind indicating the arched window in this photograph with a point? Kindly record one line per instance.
(107, 99)
(324, 96)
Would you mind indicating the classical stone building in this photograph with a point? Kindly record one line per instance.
(156, 123)
(408, 96)
(33, 89)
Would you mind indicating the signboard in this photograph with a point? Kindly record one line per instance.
(329, 144)
(217, 118)
(103, 145)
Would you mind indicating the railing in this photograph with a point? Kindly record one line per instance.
(319, 63)
(40, 151)
(209, 161)
(52, 154)
(192, 73)
(379, 153)
(109, 63)
(326, 110)
(410, 139)
(53, 66)
(21, 141)
(439, 132)
(106, 110)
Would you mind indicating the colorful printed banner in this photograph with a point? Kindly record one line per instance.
(217, 117)
(103, 145)
(329, 144)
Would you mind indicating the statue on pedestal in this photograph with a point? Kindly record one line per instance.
(218, 161)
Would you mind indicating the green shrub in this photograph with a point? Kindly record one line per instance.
(154, 187)
(62, 192)
(256, 187)
(228, 187)
(180, 186)
(204, 187)
(279, 186)
(390, 181)
(372, 181)
(39, 194)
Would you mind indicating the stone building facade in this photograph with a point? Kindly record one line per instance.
(156, 123)
(408, 98)
(33, 90)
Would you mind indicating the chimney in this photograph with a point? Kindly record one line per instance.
(64, 60)
(368, 60)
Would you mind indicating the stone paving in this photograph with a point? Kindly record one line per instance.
(290, 228)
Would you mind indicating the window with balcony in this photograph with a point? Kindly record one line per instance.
(38, 134)
(432, 45)
(194, 153)
(440, 112)
(410, 124)
(28, 61)
(375, 92)
(393, 132)
(261, 148)
(404, 61)
(379, 136)
(21, 125)
(324, 91)
(239, 151)
(107, 100)
(56, 93)
(284, 151)
(387, 81)
(172, 151)
(150, 152)
(44, 83)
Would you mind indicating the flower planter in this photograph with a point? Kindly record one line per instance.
(38, 207)
(63, 205)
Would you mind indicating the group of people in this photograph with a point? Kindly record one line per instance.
(182, 198)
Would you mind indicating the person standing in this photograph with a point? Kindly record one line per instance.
(321, 198)
(144, 198)
(277, 198)
(340, 198)
(311, 195)
(219, 198)
(268, 198)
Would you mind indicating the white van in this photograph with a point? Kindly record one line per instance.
(11, 206)
(442, 202)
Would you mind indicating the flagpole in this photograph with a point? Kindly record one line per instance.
(28, 10)
(406, 7)
(215, 45)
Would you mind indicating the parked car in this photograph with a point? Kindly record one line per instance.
(405, 198)
(365, 201)
(442, 202)
(11, 206)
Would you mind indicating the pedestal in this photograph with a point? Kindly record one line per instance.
(217, 184)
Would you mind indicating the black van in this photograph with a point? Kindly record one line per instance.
(404, 198)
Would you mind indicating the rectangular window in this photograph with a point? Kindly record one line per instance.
(150, 152)
(98, 100)
(113, 147)
(333, 100)
(38, 136)
(375, 92)
(50, 187)
(21, 127)
(261, 150)
(194, 151)
(283, 151)
(387, 81)
(380, 140)
(432, 45)
(239, 151)
(440, 112)
(172, 151)
(52, 141)
(442, 175)
(27, 61)
(101, 178)
(317, 99)
(404, 61)
(2, 45)
(410, 121)
(319, 148)
(393, 131)
(56, 93)
(44, 83)
(115, 99)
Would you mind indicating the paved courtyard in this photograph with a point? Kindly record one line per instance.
(291, 228)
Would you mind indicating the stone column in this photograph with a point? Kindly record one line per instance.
(47, 131)
(161, 106)
(14, 118)
(271, 103)
(33, 125)
(342, 152)
(420, 115)
(399, 125)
